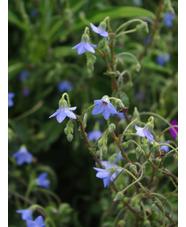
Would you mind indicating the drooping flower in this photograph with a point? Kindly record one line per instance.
(62, 112)
(10, 97)
(37, 223)
(42, 180)
(105, 107)
(22, 156)
(26, 214)
(168, 19)
(99, 30)
(172, 130)
(144, 132)
(23, 75)
(84, 46)
(94, 135)
(162, 59)
(165, 148)
(25, 91)
(107, 174)
(64, 86)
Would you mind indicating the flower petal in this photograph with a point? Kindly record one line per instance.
(81, 49)
(89, 47)
(70, 114)
(54, 114)
(94, 28)
(103, 33)
(60, 116)
(97, 109)
(139, 131)
(106, 114)
(111, 109)
(76, 46)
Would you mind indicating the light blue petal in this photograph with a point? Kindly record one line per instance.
(102, 174)
(98, 101)
(97, 109)
(54, 114)
(61, 116)
(70, 114)
(103, 33)
(149, 136)
(89, 47)
(106, 114)
(39, 220)
(111, 109)
(139, 131)
(106, 182)
(76, 46)
(81, 49)
(94, 28)
(72, 108)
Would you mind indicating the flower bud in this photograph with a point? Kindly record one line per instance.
(118, 196)
(69, 137)
(121, 223)
(134, 169)
(112, 127)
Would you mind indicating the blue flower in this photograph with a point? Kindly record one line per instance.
(165, 148)
(25, 91)
(94, 135)
(64, 86)
(23, 75)
(168, 19)
(23, 156)
(10, 97)
(107, 174)
(33, 12)
(105, 107)
(42, 180)
(84, 46)
(37, 223)
(99, 30)
(26, 214)
(162, 59)
(63, 112)
(120, 115)
(144, 132)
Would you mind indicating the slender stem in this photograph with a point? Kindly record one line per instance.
(105, 59)
(27, 200)
(120, 147)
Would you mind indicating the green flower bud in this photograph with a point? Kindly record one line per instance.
(112, 127)
(69, 137)
(121, 223)
(100, 143)
(104, 149)
(119, 196)
(147, 223)
(133, 168)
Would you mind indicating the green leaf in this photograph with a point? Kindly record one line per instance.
(115, 13)
(63, 51)
(14, 19)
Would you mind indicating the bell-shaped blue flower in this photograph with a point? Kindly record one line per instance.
(64, 86)
(107, 174)
(168, 19)
(37, 223)
(42, 180)
(99, 30)
(23, 75)
(23, 156)
(84, 46)
(165, 148)
(144, 132)
(26, 214)
(94, 135)
(105, 107)
(162, 59)
(10, 97)
(62, 112)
